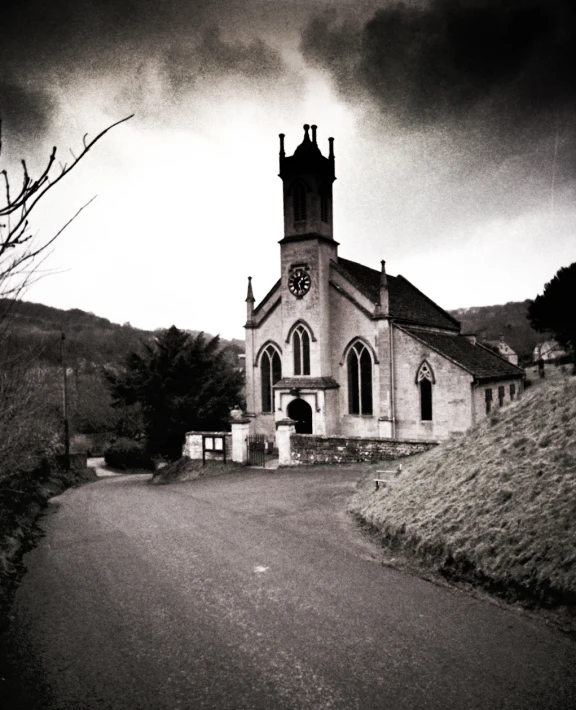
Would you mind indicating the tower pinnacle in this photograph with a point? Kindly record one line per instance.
(307, 176)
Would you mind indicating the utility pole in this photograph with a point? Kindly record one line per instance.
(65, 404)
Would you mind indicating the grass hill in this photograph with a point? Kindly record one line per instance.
(508, 320)
(495, 506)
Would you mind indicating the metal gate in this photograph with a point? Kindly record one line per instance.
(256, 444)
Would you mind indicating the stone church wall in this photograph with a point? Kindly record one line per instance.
(332, 410)
(451, 393)
(313, 449)
(313, 309)
(270, 330)
(349, 322)
(264, 423)
(480, 396)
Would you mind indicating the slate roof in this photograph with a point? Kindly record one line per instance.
(407, 304)
(478, 360)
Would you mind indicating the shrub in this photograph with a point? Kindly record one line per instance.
(128, 454)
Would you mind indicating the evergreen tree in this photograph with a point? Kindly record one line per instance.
(553, 310)
(183, 383)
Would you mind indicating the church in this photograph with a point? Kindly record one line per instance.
(346, 350)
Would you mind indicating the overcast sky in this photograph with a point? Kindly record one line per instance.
(454, 126)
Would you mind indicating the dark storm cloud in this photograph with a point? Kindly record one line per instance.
(45, 47)
(476, 97)
(24, 112)
(211, 55)
(483, 92)
(448, 58)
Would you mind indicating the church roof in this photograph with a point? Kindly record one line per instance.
(307, 158)
(308, 149)
(406, 303)
(481, 362)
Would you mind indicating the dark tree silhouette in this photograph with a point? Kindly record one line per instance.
(553, 310)
(183, 383)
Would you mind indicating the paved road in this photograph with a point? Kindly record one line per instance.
(254, 591)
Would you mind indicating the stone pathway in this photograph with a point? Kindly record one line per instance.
(99, 466)
(270, 465)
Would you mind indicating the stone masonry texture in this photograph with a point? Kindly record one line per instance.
(313, 449)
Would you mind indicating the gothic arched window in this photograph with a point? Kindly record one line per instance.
(359, 365)
(301, 345)
(271, 372)
(425, 380)
(299, 199)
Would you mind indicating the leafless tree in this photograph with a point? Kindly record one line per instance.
(20, 251)
(30, 397)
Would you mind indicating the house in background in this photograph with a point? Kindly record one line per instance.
(504, 350)
(344, 349)
(549, 351)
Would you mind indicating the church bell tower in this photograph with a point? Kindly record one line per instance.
(307, 178)
(306, 253)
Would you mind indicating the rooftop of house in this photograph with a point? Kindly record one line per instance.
(501, 345)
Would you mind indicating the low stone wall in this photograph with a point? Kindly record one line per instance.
(312, 449)
(193, 445)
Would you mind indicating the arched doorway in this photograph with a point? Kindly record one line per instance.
(301, 411)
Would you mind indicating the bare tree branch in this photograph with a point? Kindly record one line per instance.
(30, 416)
(18, 247)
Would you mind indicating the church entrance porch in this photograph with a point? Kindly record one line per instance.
(301, 412)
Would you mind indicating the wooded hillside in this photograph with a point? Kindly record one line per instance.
(31, 339)
(90, 340)
(508, 320)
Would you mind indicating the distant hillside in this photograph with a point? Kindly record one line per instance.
(496, 505)
(508, 320)
(90, 340)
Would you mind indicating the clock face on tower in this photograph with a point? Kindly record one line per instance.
(299, 282)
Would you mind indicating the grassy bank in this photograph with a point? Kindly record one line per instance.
(496, 506)
(22, 499)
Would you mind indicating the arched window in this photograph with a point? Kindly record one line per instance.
(271, 372)
(359, 379)
(301, 345)
(299, 198)
(425, 380)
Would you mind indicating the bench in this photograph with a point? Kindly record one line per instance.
(383, 481)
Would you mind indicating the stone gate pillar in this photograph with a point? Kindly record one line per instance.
(284, 430)
(240, 430)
